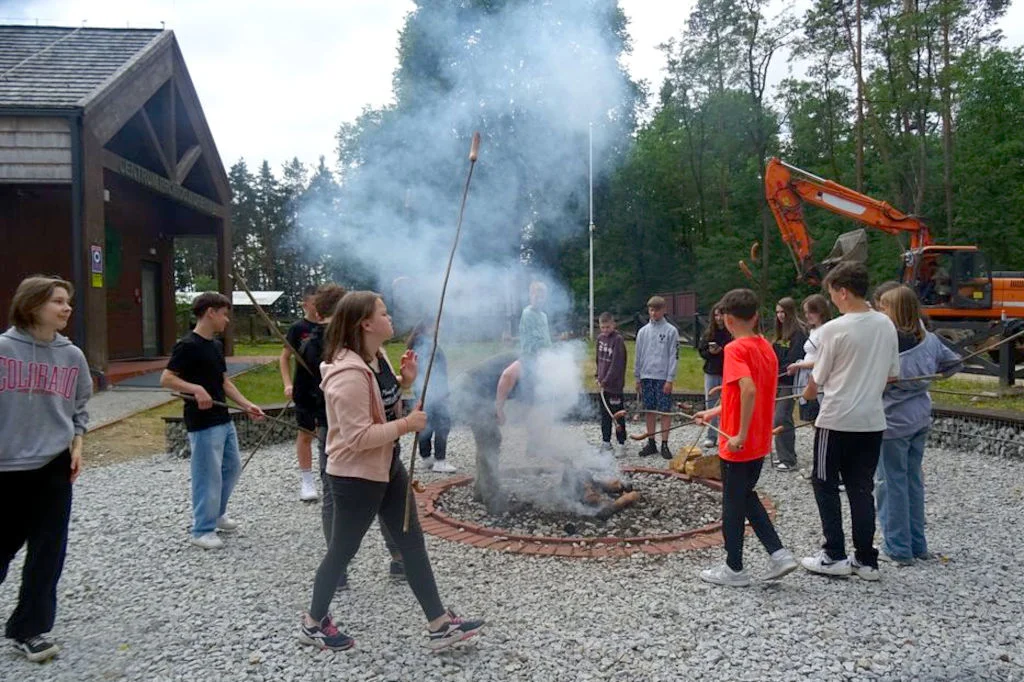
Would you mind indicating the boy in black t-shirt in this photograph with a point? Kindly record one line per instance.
(197, 367)
(302, 391)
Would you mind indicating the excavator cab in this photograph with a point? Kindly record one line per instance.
(956, 277)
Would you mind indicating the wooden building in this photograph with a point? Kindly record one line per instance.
(105, 158)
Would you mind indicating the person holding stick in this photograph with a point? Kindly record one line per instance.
(197, 367)
(749, 383)
(710, 347)
(859, 352)
(789, 348)
(312, 353)
(611, 376)
(44, 387)
(816, 314)
(433, 440)
(366, 476)
(899, 481)
(657, 353)
(300, 387)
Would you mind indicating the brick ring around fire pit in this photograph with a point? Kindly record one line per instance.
(436, 522)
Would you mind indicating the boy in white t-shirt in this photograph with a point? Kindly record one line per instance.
(857, 355)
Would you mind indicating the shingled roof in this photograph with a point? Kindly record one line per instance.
(63, 67)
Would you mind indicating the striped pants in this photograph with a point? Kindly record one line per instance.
(850, 457)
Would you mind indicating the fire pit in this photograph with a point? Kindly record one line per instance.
(654, 511)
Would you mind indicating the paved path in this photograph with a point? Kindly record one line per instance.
(117, 403)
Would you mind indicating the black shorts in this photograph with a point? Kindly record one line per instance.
(305, 417)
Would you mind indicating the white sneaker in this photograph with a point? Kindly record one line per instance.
(620, 450)
(308, 492)
(864, 572)
(227, 525)
(443, 467)
(606, 447)
(822, 564)
(709, 443)
(208, 541)
(780, 563)
(723, 575)
(426, 462)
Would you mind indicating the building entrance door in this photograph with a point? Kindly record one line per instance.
(151, 309)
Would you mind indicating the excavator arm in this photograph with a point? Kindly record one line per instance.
(787, 188)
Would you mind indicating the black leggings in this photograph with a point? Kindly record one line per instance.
(739, 503)
(35, 507)
(327, 504)
(356, 502)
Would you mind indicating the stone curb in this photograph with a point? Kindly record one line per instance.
(437, 523)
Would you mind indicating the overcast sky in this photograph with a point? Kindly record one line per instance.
(277, 78)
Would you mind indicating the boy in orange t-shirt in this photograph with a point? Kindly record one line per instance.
(747, 408)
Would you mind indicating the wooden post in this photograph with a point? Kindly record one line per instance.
(1007, 368)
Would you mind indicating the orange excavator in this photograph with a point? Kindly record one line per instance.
(965, 300)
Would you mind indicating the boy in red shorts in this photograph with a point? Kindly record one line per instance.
(746, 410)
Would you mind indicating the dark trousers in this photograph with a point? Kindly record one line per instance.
(852, 456)
(327, 502)
(356, 502)
(614, 401)
(35, 507)
(439, 425)
(740, 503)
(785, 442)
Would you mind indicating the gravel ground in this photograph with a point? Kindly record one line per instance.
(137, 602)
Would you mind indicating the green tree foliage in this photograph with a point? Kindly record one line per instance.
(941, 139)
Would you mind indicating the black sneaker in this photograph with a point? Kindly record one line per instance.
(325, 635)
(455, 631)
(342, 584)
(665, 452)
(649, 449)
(397, 572)
(36, 649)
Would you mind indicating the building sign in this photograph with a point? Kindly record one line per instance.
(96, 265)
(96, 259)
(149, 179)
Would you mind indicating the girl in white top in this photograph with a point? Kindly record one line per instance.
(816, 313)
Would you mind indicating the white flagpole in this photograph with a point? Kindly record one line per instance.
(591, 231)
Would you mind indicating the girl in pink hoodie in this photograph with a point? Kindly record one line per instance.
(364, 469)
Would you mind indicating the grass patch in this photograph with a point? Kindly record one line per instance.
(968, 393)
(263, 348)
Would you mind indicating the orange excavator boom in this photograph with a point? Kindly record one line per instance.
(787, 188)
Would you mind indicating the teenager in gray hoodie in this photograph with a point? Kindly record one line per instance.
(657, 353)
(44, 386)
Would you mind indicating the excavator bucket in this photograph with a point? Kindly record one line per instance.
(850, 247)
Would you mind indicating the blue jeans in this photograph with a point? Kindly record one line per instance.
(216, 466)
(710, 381)
(899, 494)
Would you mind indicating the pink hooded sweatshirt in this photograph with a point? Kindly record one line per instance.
(360, 440)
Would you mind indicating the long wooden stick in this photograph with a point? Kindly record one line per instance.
(269, 322)
(277, 332)
(615, 419)
(678, 426)
(269, 417)
(986, 349)
(474, 150)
